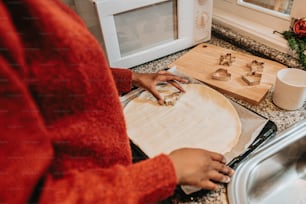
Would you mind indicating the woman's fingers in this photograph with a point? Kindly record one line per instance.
(176, 85)
(211, 180)
(208, 185)
(166, 76)
(217, 157)
(220, 164)
(202, 168)
(156, 94)
(173, 80)
(219, 177)
(149, 81)
(222, 168)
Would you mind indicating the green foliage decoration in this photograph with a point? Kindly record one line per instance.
(298, 44)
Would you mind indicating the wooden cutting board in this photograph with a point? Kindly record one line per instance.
(201, 61)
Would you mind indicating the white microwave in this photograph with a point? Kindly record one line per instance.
(133, 32)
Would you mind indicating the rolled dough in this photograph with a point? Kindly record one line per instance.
(201, 118)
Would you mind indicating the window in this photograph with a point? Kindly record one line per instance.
(282, 6)
(259, 18)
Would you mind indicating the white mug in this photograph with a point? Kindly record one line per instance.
(290, 89)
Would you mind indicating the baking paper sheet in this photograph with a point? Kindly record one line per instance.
(251, 124)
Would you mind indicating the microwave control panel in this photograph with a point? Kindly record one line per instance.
(202, 20)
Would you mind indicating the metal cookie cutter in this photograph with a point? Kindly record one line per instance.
(256, 66)
(172, 98)
(226, 59)
(253, 77)
(221, 75)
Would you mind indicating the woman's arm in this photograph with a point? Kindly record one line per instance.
(123, 79)
(145, 182)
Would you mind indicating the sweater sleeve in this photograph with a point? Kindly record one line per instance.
(24, 146)
(123, 79)
(84, 161)
(28, 153)
(144, 182)
(114, 179)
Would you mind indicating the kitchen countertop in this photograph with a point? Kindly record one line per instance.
(228, 39)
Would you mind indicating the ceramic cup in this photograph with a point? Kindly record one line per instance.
(290, 89)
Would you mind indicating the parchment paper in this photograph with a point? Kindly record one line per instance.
(251, 124)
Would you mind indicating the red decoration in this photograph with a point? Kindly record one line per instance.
(299, 27)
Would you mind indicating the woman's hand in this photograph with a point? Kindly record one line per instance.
(149, 81)
(200, 168)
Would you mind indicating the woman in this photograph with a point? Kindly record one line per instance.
(63, 137)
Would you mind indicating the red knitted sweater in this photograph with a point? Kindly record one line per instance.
(60, 117)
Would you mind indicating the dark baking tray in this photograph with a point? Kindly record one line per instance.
(267, 132)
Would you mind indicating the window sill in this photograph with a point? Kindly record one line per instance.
(255, 46)
(257, 32)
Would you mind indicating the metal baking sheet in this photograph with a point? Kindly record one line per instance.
(256, 130)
